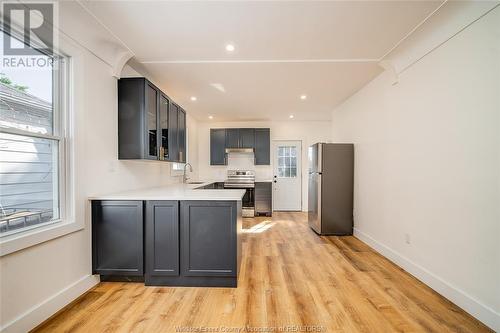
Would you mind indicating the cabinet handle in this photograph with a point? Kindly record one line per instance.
(180, 156)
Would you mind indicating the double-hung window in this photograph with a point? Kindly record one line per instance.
(33, 159)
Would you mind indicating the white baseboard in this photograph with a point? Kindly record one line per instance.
(483, 313)
(42, 311)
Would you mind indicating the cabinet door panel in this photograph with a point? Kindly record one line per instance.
(131, 128)
(208, 244)
(163, 124)
(182, 135)
(247, 138)
(217, 146)
(162, 238)
(263, 198)
(232, 138)
(173, 138)
(262, 146)
(117, 238)
(151, 121)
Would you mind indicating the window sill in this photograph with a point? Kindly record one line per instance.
(22, 240)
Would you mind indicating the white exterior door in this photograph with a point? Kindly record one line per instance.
(287, 179)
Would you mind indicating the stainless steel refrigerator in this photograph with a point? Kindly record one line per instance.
(330, 188)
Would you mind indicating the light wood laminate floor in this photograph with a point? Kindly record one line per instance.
(290, 279)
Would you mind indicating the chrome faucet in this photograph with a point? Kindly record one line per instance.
(184, 178)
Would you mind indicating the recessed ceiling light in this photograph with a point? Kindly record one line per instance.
(290, 116)
(303, 97)
(210, 117)
(218, 86)
(193, 98)
(230, 47)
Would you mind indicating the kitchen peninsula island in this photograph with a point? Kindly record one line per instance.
(175, 235)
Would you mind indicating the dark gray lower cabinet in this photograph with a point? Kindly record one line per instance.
(192, 243)
(263, 198)
(185, 243)
(209, 235)
(162, 239)
(117, 239)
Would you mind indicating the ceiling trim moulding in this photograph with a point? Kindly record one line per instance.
(272, 61)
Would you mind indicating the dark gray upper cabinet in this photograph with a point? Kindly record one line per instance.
(162, 239)
(217, 146)
(209, 238)
(232, 138)
(117, 238)
(150, 125)
(240, 138)
(257, 138)
(262, 146)
(247, 138)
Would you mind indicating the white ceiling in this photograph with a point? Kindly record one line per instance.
(325, 49)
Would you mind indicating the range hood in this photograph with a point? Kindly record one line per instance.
(239, 150)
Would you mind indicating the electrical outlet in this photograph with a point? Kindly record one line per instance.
(407, 238)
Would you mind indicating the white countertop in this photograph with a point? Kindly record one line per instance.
(175, 192)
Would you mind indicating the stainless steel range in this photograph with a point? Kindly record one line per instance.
(243, 179)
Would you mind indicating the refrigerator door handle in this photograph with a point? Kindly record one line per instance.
(319, 167)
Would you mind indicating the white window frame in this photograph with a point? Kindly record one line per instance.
(62, 132)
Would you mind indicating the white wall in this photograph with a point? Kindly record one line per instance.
(309, 132)
(39, 280)
(427, 165)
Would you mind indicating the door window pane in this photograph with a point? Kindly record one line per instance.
(287, 161)
(281, 172)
